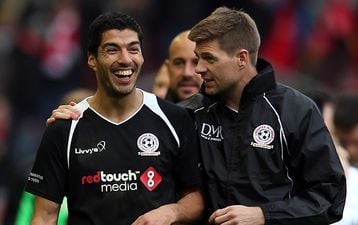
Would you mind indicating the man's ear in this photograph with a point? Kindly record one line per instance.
(91, 61)
(167, 62)
(242, 56)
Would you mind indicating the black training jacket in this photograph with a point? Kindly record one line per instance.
(275, 152)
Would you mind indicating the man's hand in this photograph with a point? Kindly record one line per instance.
(238, 214)
(65, 112)
(164, 215)
(188, 209)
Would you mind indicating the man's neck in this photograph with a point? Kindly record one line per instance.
(233, 97)
(117, 109)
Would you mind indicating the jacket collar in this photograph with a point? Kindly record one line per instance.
(262, 82)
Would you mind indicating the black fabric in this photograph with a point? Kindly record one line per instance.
(246, 160)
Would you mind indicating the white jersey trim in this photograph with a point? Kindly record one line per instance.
(150, 100)
(81, 106)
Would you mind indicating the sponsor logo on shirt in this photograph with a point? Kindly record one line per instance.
(151, 178)
(263, 136)
(124, 181)
(211, 132)
(148, 144)
(98, 148)
(34, 177)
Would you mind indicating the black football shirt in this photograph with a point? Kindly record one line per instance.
(112, 172)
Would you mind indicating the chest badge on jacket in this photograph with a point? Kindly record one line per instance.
(263, 136)
(211, 132)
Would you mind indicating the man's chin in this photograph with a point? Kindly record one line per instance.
(187, 93)
(184, 96)
(210, 91)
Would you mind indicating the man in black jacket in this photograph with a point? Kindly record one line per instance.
(268, 157)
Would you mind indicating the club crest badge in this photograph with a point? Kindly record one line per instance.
(148, 145)
(263, 136)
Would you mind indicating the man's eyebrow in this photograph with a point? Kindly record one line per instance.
(112, 44)
(203, 54)
(134, 43)
(178, 58)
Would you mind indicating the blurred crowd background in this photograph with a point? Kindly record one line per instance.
(312, 44)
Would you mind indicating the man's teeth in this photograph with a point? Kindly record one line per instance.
(123, 72)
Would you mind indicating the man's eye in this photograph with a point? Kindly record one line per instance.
(134, 50)
(111, 50)
(178, 63)
(209, 59)
(195, 62)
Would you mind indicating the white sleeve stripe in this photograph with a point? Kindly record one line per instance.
(73, 126)
(82, 106)
(150, 100)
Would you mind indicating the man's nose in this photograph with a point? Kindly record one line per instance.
(189, 69)
(124, 57)
(200, 68)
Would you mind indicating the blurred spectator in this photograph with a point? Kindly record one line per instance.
(346, 125)
(326, 53)
(181, 62)
(327, 106)
(5, 121)
(161, 82)
(346, 131)
(176, 77)
(350, 216)
(61, 44)
(5, 179)
(76, 95)
(47, 50)
(285, 33)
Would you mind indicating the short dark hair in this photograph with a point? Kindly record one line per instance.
(108, 21)
(232, 28)
(346, 112)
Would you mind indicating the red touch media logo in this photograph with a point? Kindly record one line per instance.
(151, 178)
(124, 181)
